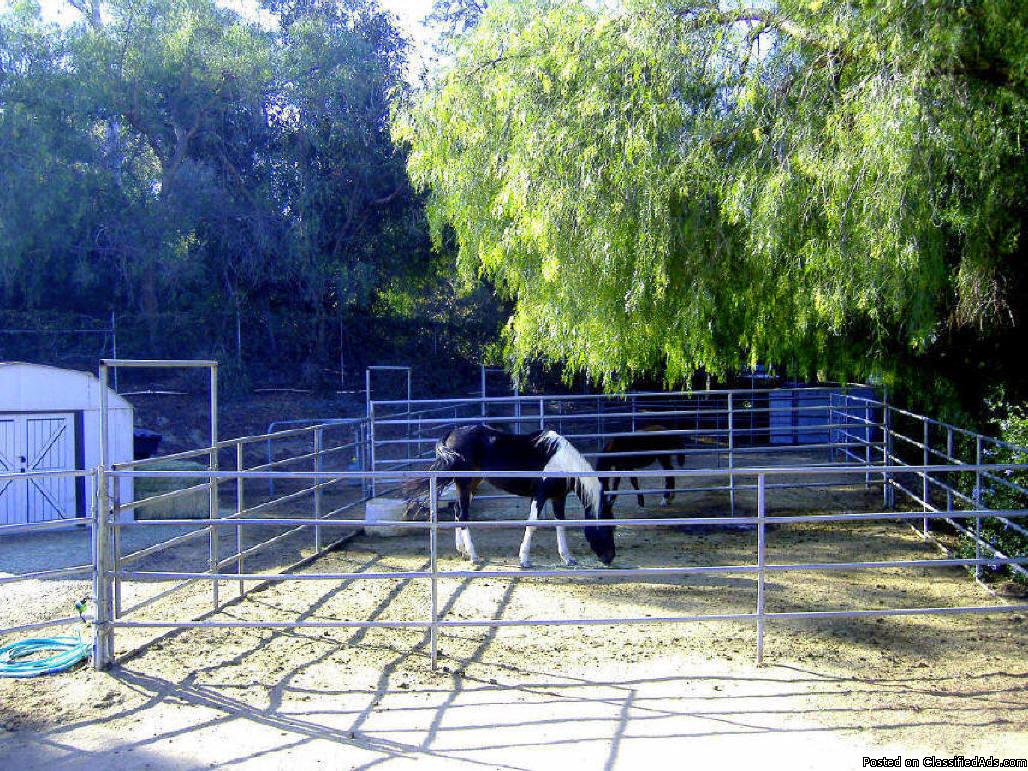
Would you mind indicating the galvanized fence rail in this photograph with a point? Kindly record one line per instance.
(759, 567)
(733, 441)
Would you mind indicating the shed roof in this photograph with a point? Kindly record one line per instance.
(26, 387)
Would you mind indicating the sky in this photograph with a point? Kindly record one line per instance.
(409, 14)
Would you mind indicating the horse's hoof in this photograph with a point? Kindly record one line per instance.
(571, 562)
(665, 501)
(525, 564)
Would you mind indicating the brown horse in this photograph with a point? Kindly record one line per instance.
(637, 451)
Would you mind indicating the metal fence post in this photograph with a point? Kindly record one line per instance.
(407, 424)
(367, 392)
(240, 506)
(761, 512)
(888, 494)
(371, 444)
(925, 489)
(318, 447)
(979, 499)
(867, 446)
(114, 346)
(517, 404)
(116, 545)
(360, 438)
(828, 422)
(213, 486)
(949, 459)
(103, 637)
(482, 402)
(731, 454)
(541, 412)
(433, 552)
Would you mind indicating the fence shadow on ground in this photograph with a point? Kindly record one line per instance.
(467, 712)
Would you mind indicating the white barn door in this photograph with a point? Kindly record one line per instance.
(10, 512)
(37, 442)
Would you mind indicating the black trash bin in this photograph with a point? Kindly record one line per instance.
(145, 443)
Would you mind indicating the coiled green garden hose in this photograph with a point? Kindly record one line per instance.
(42, 655)
(45, 655)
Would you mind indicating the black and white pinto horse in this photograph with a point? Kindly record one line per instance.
(483, 448)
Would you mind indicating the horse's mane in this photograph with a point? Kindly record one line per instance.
(564, 456)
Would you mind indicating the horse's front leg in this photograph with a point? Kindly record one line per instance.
(669, 482)
(458, 539)
(562, 538)
(464, 543)
(459, 514)
(635, 484)
(525, 554)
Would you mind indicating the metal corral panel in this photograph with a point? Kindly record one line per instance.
(799, 415)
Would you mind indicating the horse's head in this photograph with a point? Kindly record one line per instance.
(599, 505)
(601, 540)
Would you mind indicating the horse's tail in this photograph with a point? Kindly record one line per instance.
(416, 490)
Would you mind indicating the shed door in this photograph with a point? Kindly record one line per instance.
(10, 512)
(37, 442)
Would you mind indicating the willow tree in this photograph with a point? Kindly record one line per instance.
(662, 187)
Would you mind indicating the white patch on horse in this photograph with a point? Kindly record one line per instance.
(469, 545)
(525, 555)
(562, 547)
(564, 457)
(447, 454)
(464, 543)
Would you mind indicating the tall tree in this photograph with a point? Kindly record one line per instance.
(665, 186)
(354, 222)
(212, 174)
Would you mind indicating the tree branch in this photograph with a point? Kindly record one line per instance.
(389, 198)
(714, 18)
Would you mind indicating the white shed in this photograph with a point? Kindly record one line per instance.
(50, 421)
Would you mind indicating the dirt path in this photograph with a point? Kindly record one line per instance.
(598, 697)
(663, 714)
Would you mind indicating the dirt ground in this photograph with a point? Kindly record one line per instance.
(614, 696)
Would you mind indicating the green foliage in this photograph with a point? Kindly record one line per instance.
(1012, 428)
(455, 18)
(176, 162)
(664, 187)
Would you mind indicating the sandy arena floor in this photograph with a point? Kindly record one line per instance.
(521, 697)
